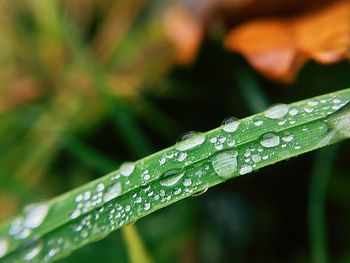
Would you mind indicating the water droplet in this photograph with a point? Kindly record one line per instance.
(187, 182)
(229, 120)
(276, 111)
(312, 103)
(189, 140)
(75, 214)
(182, 156)
(213, 140)
(170, 178)
(127, 168)
(3, 247)
(245, 169)
(87, 195)
(112, 192)
(225, 163)
(288, 138)
(230, 124)
(36, 214)
(100, 187)
(270, 140)
(147, 206)
(293, 111)
(33, 252)
(79, 198)
(256, 158)
(308, 110)
(338, 126)
(200, 192)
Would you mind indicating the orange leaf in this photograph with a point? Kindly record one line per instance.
(278, 48)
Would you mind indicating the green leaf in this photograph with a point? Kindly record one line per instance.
(46, 231)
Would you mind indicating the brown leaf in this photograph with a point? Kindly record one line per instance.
(278, 48)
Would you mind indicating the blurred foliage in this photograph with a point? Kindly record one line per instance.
(86, 85)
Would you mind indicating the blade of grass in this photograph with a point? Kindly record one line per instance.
(50, 230)
(317, 223)
(135, 246)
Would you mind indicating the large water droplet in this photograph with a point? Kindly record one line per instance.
(230, 124)
(170, 178)
(340, 121)
(112, 192)
(225, 163)
(127, 168)
(3, 247)
(190, 140)
(36, 214)
(270, 140)
(276, 111)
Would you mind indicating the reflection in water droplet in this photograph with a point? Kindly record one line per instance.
(189, 140)
(229, 120)
(276, 111)
(200, 192)
(112, 192)
(270, 140)
(36, 214)
(230, 124)
(127, 168)
(170, 178)
(3, 247)
(225, 163)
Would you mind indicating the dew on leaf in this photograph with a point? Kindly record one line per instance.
(293, 111)
(225, 163)
(276, 111)
(127, 168)
(171, 177)
(230, 124)
(3, 247)
(270, 140)
(245, 169)
(200, 192)
(35, 215)
(192, 139)
(112, 192)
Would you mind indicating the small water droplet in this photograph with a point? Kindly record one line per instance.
(3, 247)
(79, 198)
(112, 192)
(100, 187)
(225, 163)
(276, 111)
(270, 140)
(35, 215)
(213, 140)
(187, 182)
(230, 124)
(189, 140)
(171, 177)
(75, 214)
(127, 168)
(308, 110)
(288, 137)
(312, 103)
(33, 252)
(147, 206)
(182, 156)
(293, 111)
(256, 158)
(200, 192)
(245, 169)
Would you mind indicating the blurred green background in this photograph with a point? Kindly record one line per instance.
(86, 85)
